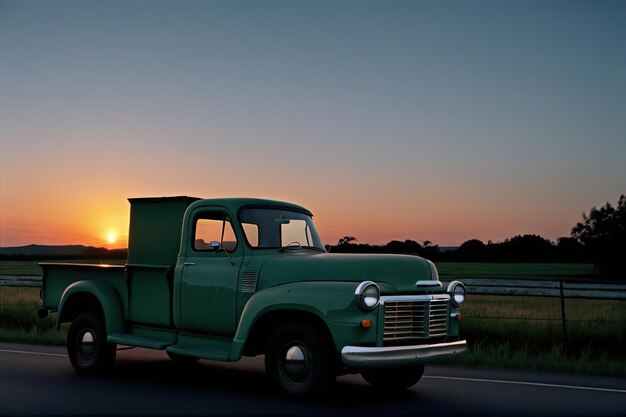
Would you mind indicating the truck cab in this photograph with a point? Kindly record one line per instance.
(219, 279)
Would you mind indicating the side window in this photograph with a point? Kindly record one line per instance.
(214, 227)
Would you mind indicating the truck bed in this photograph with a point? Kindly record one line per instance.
(58, 276)
(153, 282)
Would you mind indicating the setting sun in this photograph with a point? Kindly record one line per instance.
(111, 236)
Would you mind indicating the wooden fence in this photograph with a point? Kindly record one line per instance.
(539, 287)
(20, 280)
(548, 287)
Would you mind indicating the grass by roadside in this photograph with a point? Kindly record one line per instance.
(513, 332)
(556, 359)
(34, 336)
(503, 332)
(19, 321)
(460, 270)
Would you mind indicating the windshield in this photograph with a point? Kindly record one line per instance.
(279, 228)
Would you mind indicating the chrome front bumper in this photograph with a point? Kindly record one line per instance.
(394, 356)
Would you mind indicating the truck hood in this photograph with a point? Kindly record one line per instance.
(393, 273)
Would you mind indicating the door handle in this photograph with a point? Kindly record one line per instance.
(189, 264)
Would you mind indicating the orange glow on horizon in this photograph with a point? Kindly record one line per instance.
(101, 219)
(93, 220)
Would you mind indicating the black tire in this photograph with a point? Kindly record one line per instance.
(87, 347)
(182, 358)
(310, 369)
(393, 379)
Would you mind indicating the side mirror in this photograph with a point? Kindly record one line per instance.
(217, 246)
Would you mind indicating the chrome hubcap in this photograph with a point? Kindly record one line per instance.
(87, 346)
(296, 363)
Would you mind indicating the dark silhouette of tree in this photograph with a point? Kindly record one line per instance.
(603, 234)
(395, 246)
(527, 248)
(346, 245)
(430, 251)
(472, 250)
(520, 248)
(600, 238)
(346, 240)
(408, 247)
(569, 249)
(412, 247)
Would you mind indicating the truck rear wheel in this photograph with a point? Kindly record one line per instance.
(393, 378)
(87, 347)
(298, 361)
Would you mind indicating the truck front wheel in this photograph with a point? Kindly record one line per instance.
(87, 347)
(297, 360)
(393, 378)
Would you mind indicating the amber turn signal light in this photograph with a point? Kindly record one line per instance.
(366, 324)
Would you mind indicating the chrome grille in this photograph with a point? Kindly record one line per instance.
(248, 280)
(407, 320)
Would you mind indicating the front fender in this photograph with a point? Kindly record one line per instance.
(106, 295)
(333, 302)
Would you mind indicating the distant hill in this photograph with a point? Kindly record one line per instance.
(56, 251)
(45, 250)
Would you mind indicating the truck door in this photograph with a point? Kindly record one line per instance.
(210, 273)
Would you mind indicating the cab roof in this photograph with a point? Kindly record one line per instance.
(233, 204)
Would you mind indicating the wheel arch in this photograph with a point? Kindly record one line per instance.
(92, 295)
(327, 304)
(263, 326)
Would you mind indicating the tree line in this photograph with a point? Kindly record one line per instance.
(600, 239)
(521, 248)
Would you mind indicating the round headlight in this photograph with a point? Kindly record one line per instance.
(456, 289)
(367, 295)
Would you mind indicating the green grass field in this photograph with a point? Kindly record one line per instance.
(527, 332)
(507, 328)
(452, 270)
(503, 331)
(19, 321)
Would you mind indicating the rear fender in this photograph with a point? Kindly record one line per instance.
(109, 299)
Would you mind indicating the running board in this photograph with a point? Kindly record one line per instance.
(199, 353)
(132, 340)
(212, 348)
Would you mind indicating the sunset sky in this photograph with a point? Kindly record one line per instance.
(442, 120)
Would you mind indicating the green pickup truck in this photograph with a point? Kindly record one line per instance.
(219, 279)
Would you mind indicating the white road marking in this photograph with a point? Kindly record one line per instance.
(33, 353)
(536, 384)
(493, 381)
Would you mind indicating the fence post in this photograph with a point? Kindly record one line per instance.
(565, 338)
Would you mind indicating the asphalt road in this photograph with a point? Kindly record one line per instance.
(39, 380)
